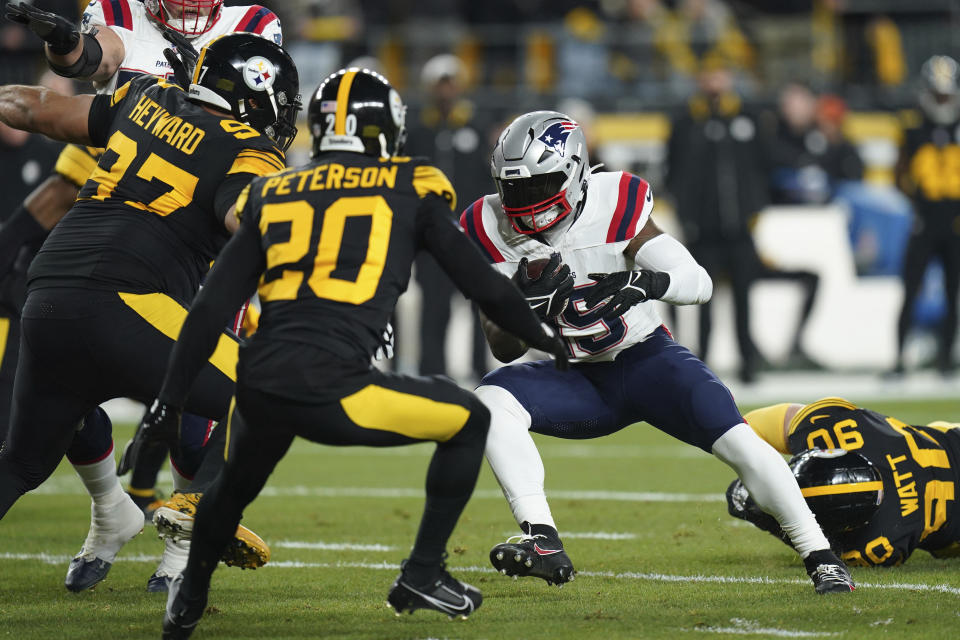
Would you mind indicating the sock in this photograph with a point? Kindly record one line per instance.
(514, 458)
(100, 479)
(770, 482)
(180, 481)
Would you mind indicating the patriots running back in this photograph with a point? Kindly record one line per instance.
(607, 261)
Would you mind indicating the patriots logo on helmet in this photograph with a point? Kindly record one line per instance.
(555, 136)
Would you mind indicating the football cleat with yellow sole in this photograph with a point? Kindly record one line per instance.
(174, 519)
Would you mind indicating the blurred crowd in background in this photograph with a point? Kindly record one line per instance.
(725, 106)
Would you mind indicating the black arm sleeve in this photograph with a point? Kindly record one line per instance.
(228, 192)
(497, 297)
(100, 120)
(231, 281)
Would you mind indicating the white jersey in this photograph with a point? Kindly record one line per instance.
(143, 41)
(618, 205)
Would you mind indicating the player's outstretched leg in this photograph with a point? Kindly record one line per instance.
(516, 463)
(175, 517)
(770, 482)
(113, 513)
(424, 582)
(537, 553)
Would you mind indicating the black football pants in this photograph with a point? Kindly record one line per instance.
(80, 348)
(387, 410)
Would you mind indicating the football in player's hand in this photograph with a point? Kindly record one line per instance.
(535, 268)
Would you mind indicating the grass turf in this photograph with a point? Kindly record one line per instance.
(680, 568)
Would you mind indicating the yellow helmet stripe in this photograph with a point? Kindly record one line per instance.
(343, 99)
(836, 489)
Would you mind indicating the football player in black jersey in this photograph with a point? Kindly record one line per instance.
(328, 247)
(894, 490)
(108, 291)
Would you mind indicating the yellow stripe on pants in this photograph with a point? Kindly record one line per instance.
(167, 316)
(375, 407)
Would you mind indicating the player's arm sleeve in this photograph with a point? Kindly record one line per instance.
(248, 164)
(689, 282)
(497, 297)
(768, 423)
(113, 22)
(231, 281)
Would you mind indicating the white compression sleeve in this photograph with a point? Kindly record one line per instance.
(514, 458)
(689, 282)
(769, 480)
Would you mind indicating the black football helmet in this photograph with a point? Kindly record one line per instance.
(252, 78)
(842, 488)
(357, 110)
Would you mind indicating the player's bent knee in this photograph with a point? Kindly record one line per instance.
(474, 430)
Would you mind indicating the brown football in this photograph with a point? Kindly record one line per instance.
(535, 267)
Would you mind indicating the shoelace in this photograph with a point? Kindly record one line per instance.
(524, 538)
(831, 572)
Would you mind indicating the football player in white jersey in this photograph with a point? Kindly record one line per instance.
(118, 40)
(607, 259)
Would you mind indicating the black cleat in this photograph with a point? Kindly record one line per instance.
(828, 572)
(445, 594)
(181, 616)
(533, 555)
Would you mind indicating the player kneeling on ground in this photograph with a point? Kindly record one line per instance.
(328, 247)
(879, 487)
(606, 261)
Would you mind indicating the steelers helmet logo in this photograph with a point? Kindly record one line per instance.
(259, 73)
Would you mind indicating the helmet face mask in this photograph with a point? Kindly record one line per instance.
(842, 488)
(254, 80)
(189, 17)
(357, 110)
(540, 166)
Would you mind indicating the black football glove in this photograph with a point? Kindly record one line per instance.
(549, 294)
(161, 423)
(183, 57)
(625, 289)
(58, 32)
(740, 504)
(552, 343)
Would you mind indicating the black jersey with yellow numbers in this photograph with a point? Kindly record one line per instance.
(339, 237)
(931, 158)
(918, 465)
(150, 217)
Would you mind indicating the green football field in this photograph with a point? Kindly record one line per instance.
(642, 515)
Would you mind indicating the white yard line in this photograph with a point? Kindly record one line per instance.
(49, 558)
(331, 546)
(68, 485)
(752, 628)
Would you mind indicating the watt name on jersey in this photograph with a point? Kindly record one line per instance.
(143, 41)
(617, 206)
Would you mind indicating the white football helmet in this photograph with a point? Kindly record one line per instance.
(940, 97)
(540, 167)
(189, 17)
